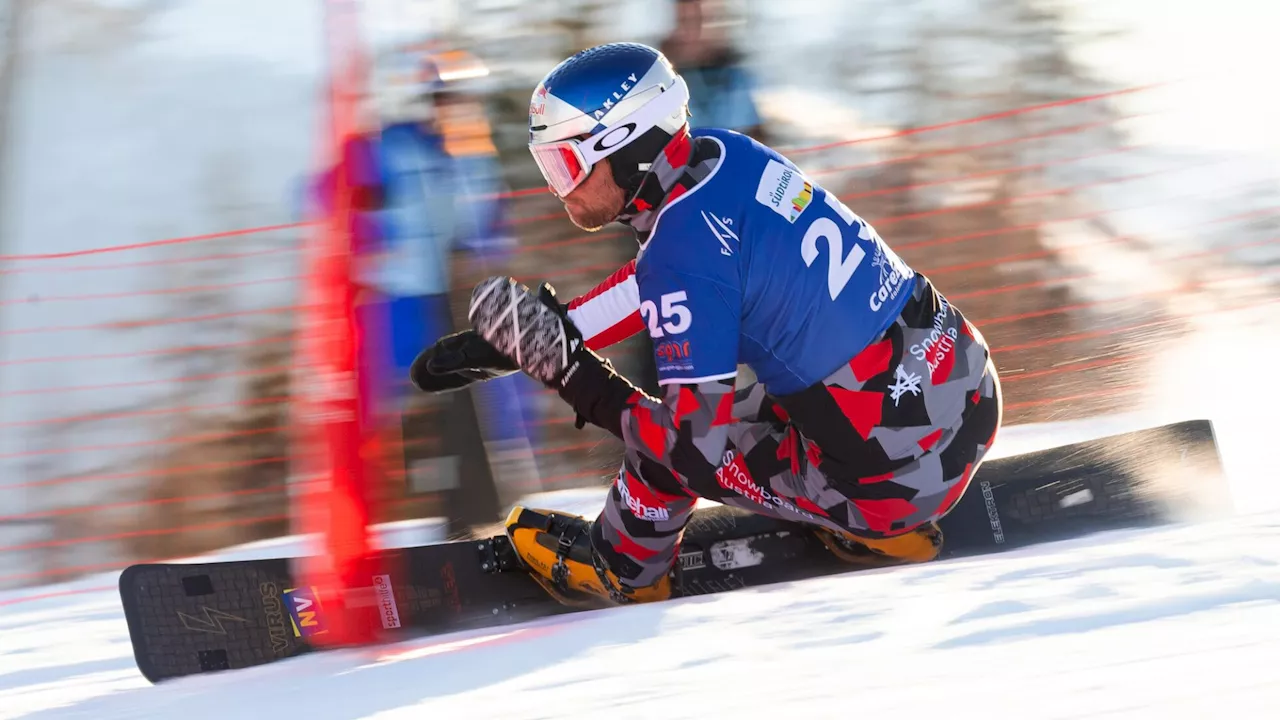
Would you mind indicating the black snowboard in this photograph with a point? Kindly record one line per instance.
(187, 619)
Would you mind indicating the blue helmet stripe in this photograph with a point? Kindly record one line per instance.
(595, 79)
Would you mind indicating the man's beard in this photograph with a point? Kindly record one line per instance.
(591, 219)
(604, 202)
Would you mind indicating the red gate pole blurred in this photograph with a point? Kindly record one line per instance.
(336, 450)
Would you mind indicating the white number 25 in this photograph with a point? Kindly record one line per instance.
(839, 268)
(671, 309)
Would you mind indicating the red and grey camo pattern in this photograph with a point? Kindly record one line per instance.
(888, 441)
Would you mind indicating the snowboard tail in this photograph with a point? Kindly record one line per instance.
(187, 619)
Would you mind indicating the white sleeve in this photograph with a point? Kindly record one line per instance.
(610, 312)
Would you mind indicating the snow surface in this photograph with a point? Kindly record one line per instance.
(1178, 622)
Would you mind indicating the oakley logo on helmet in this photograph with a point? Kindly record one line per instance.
(615, 137)
(625, 87)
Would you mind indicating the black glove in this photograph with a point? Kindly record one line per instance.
(457, 360)
(535, 329)
(530, 327)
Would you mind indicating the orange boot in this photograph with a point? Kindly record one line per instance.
(556, 549)
(921, 544)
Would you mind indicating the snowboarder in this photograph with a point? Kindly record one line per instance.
(875, 399)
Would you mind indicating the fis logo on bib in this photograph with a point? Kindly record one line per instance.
(783, 190)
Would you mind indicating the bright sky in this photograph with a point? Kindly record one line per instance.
(1225, 52)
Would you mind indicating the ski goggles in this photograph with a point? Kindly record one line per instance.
(566, 163)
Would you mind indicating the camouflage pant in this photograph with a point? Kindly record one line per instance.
(887, 442)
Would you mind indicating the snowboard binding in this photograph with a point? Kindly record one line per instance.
(556, 550)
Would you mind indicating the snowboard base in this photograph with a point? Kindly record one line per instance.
(186, 619)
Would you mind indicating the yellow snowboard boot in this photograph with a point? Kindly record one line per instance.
(918, 545)
(556, 548)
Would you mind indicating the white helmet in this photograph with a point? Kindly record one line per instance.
(623, 101)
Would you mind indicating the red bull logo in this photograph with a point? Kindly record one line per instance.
(539, 104)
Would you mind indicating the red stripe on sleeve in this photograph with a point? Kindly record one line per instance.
(622, 275)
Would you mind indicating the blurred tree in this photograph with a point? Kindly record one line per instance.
(218, 475)
(51, 520)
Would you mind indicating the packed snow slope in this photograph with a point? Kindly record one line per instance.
(1180, 622)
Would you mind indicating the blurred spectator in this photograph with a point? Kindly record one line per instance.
(415, 220)
(720, 84)
(429, 185)
(506, 404)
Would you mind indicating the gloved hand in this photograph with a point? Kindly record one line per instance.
(457, 360)
(531, 327)
(535, 330)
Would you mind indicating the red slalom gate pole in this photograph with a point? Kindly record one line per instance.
(336, 453)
